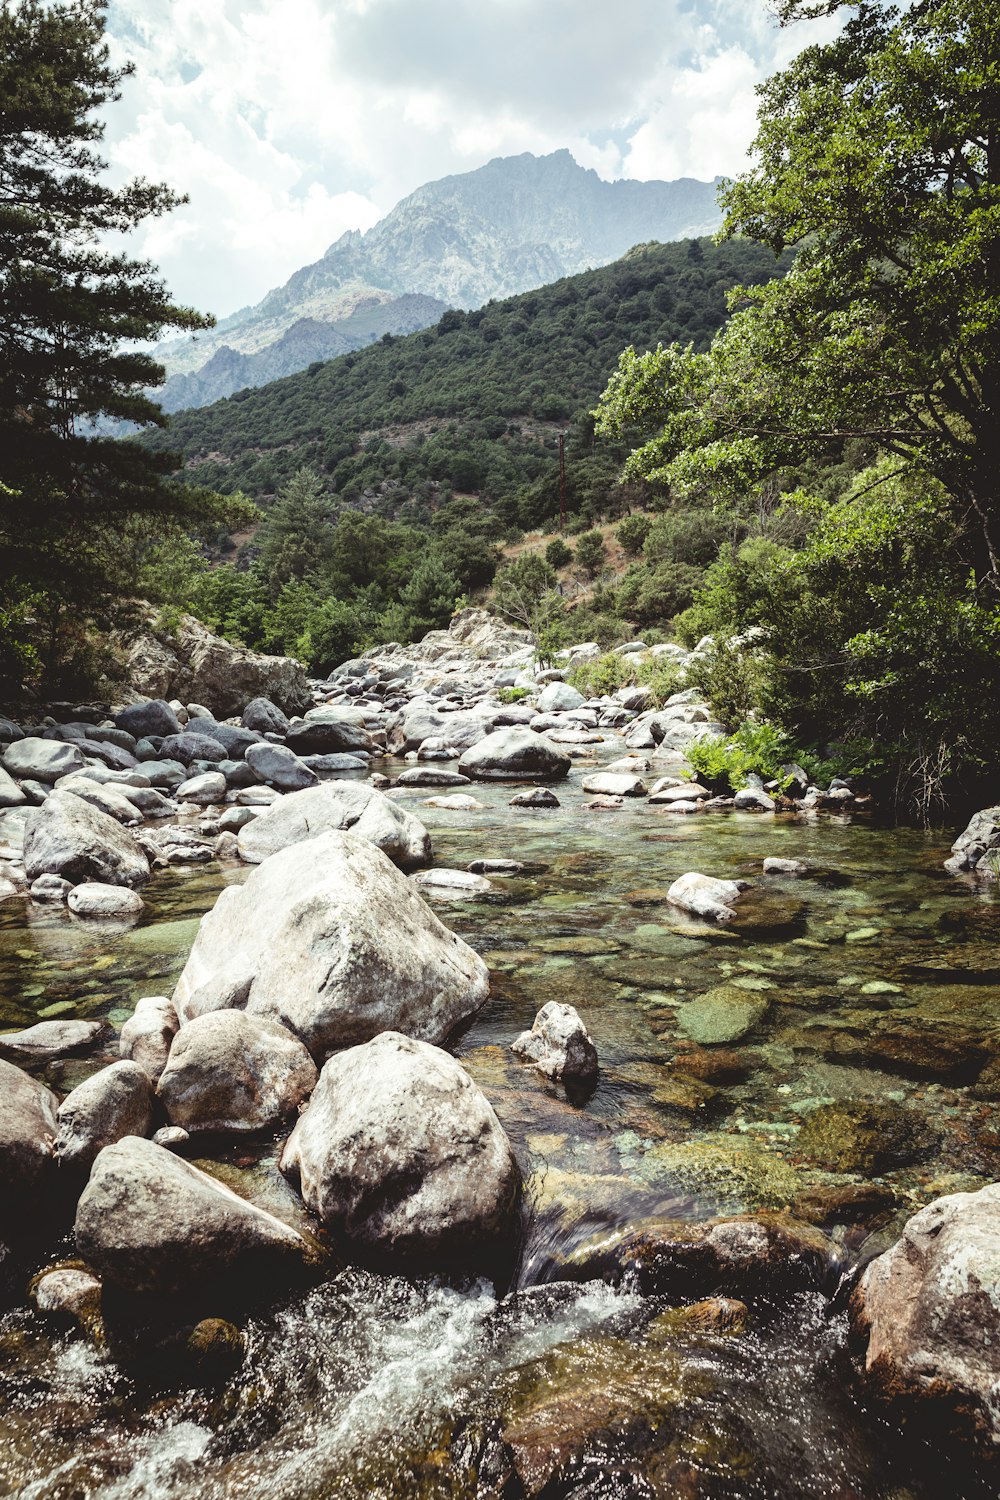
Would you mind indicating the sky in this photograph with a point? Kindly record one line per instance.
(287, 122)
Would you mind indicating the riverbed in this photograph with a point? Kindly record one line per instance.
(874, 979)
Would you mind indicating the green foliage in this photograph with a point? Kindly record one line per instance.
(512, 695)
(651, 596)
(557, 554)
(610, 671)
(521, 586)
(590, 553)
(632, 533)
(74, 313)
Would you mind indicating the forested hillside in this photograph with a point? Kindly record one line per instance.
(472, 404)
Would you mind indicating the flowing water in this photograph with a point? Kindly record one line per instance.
(875, 978)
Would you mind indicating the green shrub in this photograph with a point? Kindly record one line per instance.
(632, 533)
(512, 694)
(557, 554)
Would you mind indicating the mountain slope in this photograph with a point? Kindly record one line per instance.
(474, 403)
(518, 222)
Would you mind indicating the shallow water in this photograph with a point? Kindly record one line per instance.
(876, 978)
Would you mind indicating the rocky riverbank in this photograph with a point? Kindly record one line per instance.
(321, 1001)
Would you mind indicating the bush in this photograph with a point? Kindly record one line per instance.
(557, 554)
(654, 596)
(590, 553)
(632, 533)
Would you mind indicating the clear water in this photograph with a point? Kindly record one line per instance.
(882, 982)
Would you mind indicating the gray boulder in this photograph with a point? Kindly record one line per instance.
(559, 1045)
(332, 941)
(11, 794)
(705, 896)
(113, 1103)
(150, 1223)
(264, 717)
(975, 849)
(280, 766)
(107, 799)
(42, 760)
(69, 838)
(27, 1143)
(515, 754)
(328, 730)
(926, 1318)
(559, 698)
(148, 1034)
(47, 1040)
(234, 740)
(144, 719)
(228, 1071)
(401, 1156)
(187, 747)
(202, 790)
(338, 805)
(94, 900)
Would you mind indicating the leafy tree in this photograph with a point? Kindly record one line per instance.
(590, 553)
(72, 315)
(878, 155)
(632, 533)
(557, 554)
(522, 586)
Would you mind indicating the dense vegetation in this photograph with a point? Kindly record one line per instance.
(72, 313)
(400, 470)
(857, 400)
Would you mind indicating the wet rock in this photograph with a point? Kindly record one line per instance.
(47, 1040)
(216, 1350)
(401, 1156)
(864, 1135)
(152, 1224)
(27, 1145)
(753, 799)
(668, 790)
(514, 754)
(427, 776)
(605, 804)
(871, 1204)
(113, 1103)
(713, 1066)
(774, 865)
(331, 940)
(281, 767)
(96, 900)
(559, 1045)
(916, 1050)
(495, 867)
(42, 760)
(538, 796)
(69, 838)
(457, 802)
(50, 889)
(337, 805)
(705, 896)
(147, 1035)
(232, 1072)
(974, 850)
(725, 1014)
(926, 1318)
(452, 885)
(70, 1294)
(607, 784)
(155, 717)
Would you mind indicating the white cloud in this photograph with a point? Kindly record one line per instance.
(288, 121)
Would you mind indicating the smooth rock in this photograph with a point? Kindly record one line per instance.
(11, 794)
(453, 885)
(50, 889)
(559, 697)
(147, 1035)
(265, 717)
(559, 1045)
(331, 940)
(401, 1156)
(724, 1014)
(113, 1103)
(774, 865)
(538, 796)
(150, 1223)
(69, 838)
(203, 790)
(609, 784)
(515, 754)
(336, 805)
(42, 760)
(27, 1146)
(47, 1040)
(228, 1071)
(281, 767)
(96, 900)
(144, 719)
(705, 896)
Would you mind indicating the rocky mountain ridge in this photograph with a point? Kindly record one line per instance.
(515, 224)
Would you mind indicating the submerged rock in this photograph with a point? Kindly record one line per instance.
(925, 1317)
(559, 1045)
(401, 1156)
(332, 941)
(725, 1014)
(150, 1223)
(228, 1071)
(864, 1135)
(336, 805)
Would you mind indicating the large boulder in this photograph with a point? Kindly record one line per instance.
(189, 663)
(148, 1034)
(280, 766)
(144, 719)
(35, 759)
(264, 717)
(150, 1223)
(559, 698)
(69, 838)
(327, 731)
(338, 805)
(401, 1155)
(228, 1071)
(113, 1103)
(976, 848)
(514, 754)
(28, 1131)
(332, 941)
(926, 1316)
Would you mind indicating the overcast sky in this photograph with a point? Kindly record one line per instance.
(289, 121)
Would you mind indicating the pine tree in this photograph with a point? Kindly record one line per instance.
(72, 312)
